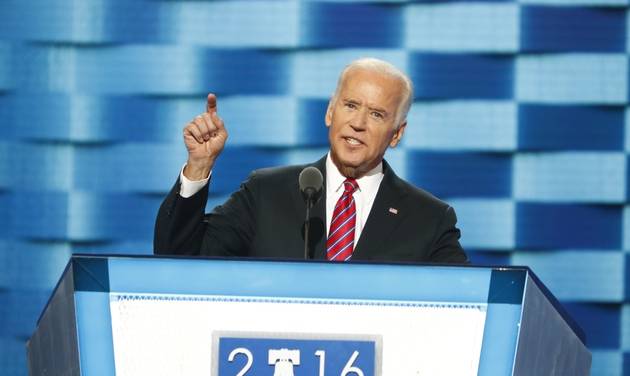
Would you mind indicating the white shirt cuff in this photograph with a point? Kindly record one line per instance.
(190, 187)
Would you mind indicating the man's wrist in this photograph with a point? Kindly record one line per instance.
(189, 187)
(196, 173)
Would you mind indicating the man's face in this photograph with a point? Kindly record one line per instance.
(361, 121)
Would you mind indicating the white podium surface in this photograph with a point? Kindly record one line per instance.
(173, 335)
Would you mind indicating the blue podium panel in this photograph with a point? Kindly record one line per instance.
(182, 316)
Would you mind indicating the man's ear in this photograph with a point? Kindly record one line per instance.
(329, 111)
(398, 134)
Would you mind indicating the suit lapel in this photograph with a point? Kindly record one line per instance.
(383, 217)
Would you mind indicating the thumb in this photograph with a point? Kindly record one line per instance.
(211, 104)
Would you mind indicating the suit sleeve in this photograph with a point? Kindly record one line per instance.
(446, 248)
(182, 228)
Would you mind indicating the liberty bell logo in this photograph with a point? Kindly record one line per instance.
(283, 361)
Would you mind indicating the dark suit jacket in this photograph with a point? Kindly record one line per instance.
(265, 218)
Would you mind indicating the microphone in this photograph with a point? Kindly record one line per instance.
(311, 182)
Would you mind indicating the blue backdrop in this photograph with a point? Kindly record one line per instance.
(519, 121)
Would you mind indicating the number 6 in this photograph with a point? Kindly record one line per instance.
(349, 368)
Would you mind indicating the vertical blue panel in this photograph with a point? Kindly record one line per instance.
(132, 21)
(13, 356)
(32, 265)
(312, 127)
(116, 247)
(121, 216)
(488, 223)
(572, 78)
(326, 24)
(315, 72)
(626, 363)
(6, 203)
(133, 69)
(19, 310)
(6, 169)
(137, 167)
(246, 71)
(43, 166)
(95, 119)
(488, 258)
(601, 322)
(6, 66)
(462, 76)
(578, 276)
(49, 20)
(41, 215)
(36, 125)
(568, 226)
(627, 278)
(570, 127)
(7, 114)
(550, 28)
(570, 177)
(487, 125)
(461, 174)
(262, 120)
(242, 161)
(234, 23)
(462, 26)
(607, 362)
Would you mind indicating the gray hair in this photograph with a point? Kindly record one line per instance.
(385, 68)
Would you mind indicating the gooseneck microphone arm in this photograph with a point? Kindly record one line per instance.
(311, 183)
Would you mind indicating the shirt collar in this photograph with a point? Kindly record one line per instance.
(334, 179)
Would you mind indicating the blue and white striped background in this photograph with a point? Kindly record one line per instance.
(520, 121)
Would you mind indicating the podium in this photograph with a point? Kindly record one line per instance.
(194, 316)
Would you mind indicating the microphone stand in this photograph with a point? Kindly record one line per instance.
(311, 184)
(307, 222)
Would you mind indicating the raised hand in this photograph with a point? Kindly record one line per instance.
(205, 138)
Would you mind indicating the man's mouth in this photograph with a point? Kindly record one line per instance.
(353, 141)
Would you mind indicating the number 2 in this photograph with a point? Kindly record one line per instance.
(250, 359)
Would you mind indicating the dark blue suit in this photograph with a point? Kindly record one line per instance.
(265, 218)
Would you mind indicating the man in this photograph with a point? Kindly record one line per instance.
(366, 213)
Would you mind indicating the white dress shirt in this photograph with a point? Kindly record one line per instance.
(363, 197)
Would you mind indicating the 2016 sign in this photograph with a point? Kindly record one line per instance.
(295, 357)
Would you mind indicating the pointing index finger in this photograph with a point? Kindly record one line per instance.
(211, 105)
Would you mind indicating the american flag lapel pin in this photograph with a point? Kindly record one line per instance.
(393, 210)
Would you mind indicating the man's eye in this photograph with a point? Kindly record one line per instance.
(377, 115)
(351, 105)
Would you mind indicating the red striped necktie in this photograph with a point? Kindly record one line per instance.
(340, 243)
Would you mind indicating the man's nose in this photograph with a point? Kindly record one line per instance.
(360, 120)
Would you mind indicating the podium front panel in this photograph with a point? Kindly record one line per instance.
(180, 316)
